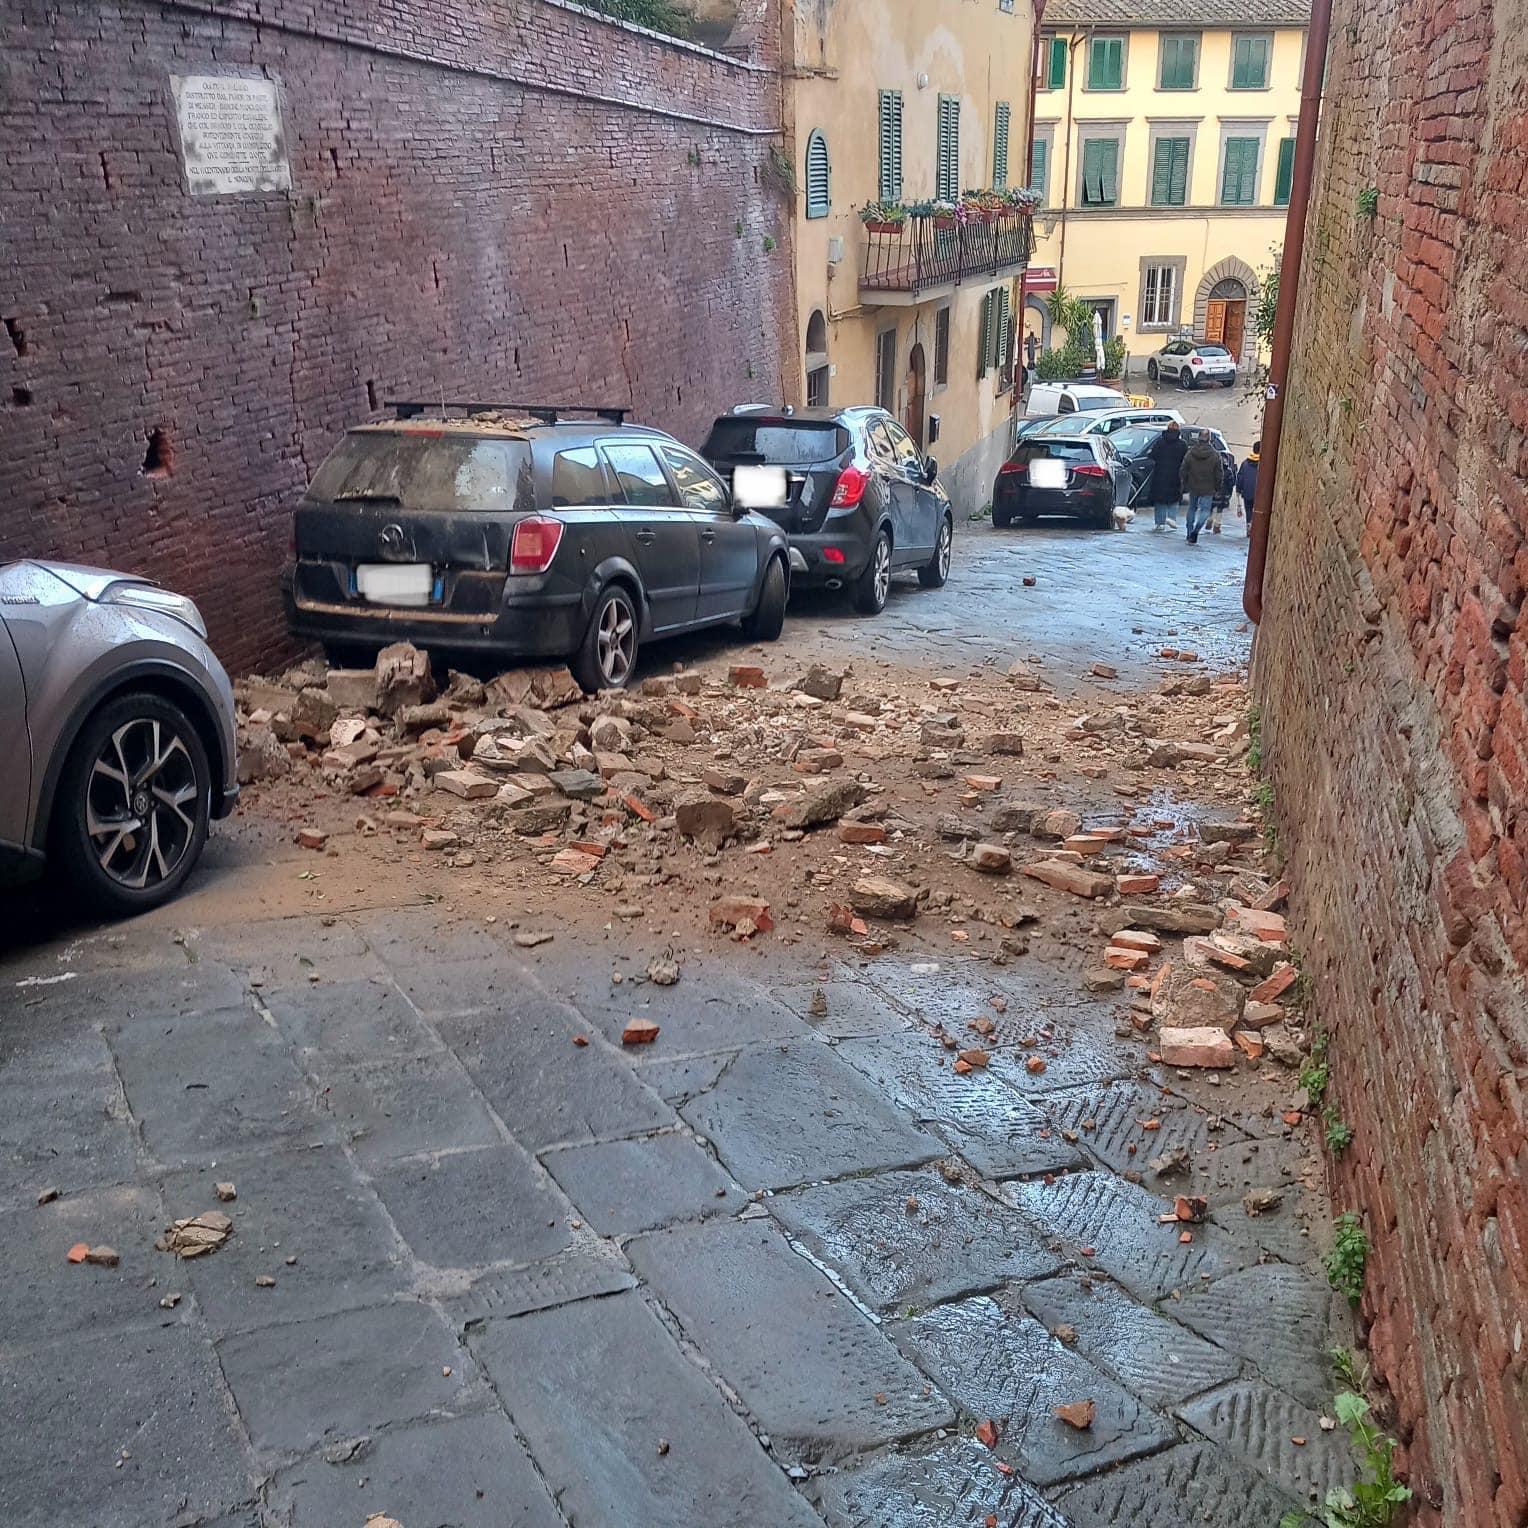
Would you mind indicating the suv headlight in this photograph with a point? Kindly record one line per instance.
(162, 601)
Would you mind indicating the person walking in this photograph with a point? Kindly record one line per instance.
(1167, 453)
(1201, 477)
(1246, 481)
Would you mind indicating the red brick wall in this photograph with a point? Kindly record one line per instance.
(1391, 668)
(488, 200)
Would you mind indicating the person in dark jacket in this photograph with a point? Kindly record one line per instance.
(1246, 481)
(1166, 453)
(1201, 476)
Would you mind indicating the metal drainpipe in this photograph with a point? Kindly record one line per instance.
(1079, 40)
(1284, 314)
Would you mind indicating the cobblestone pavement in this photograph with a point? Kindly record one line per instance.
(490, 1267)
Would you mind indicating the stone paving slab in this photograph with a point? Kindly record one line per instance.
(1119, 1221)
(470, 1208)
(367, 1020)
(588, 1268)
(314, 1382)
(546, 1090)
(711, 1007)
(810, 1368)
(155, 1393)
(782, 1115)
(1276, 1317)
(677, 1082)
(1259, 1425)
(405, 1106)
(1110, 1124)
(408, 936)
(999, 1133)
(596, 1387)
(1149, 1355)
(1191, 1484)
(469, 1472)
(954, 1484)
(125, 993)
(46, 1296)
(621, 1187)
(308, 1205)
(953, 1241)
(287, 951)
(212, 1084)
(855, 1007)
(440, 988)
(1007, 1367)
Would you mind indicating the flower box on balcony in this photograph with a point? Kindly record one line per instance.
(879, 227)
(944, 220)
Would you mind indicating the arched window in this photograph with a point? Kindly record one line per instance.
(817, 372)
(817, 175)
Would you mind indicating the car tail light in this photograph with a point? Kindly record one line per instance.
(1013, 469)
(1091, 471)
(534, 545)
(832, 554)
(1194, 360)
(850, 488)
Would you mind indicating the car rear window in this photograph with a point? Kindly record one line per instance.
(1087, 405)
(417, 471)
(1136, 438)
(1213, 350)
(775, 442)
(1058, 450)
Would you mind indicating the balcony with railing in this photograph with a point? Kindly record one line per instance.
(921, 257)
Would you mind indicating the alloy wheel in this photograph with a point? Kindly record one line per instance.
(946, 541)
(136, 799)
(882, 570)
(616, 641)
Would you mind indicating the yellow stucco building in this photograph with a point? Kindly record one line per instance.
(904, 102)
(1164, 150)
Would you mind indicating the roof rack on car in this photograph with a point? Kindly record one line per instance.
(547, 413)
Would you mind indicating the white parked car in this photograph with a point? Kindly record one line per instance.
(1072, 398)
(1107, 421)
(1191, 364)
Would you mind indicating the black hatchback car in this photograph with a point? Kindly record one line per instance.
(513, 531)
(1077, 475)
(849, 486)
(1134, 445)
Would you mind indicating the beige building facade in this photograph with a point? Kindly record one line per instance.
(903, 102)
(1164, 152)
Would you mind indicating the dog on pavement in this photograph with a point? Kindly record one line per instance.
(1123, 515)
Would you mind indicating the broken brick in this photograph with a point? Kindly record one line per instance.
(732, 912)
(639, 1032)
(311, 838)
(747, 676)
(861, 833)
(1201, 1046)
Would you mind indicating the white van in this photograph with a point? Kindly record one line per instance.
(1073, 398)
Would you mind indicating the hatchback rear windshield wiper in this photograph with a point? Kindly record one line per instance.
(362, 496)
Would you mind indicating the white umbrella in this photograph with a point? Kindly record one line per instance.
(1098, 339)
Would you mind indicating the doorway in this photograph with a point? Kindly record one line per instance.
(916, 372)
(1225, 316)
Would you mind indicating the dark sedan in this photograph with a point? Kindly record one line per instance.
(1134, 446)
(514, 531)
(1080, 476)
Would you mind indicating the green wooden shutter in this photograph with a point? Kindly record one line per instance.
(1039, 169)
(1179, 55)
(1169, 173)
(891, 145)
(1001, 119)
(947, 178)
(1249, 61)
(1285, 178)
(984, 348)
(1053, 64)
(1238, 181)
(1100, 172)
(1106, 63)
(1004, 327)
(818, 199)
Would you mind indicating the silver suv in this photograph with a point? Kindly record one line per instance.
(117, 739)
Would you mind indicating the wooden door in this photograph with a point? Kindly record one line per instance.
(1225, 323)
(913, 420)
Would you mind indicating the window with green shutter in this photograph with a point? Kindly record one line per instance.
(1178, 61)
(1039, 169)
(1002, 117)
(947, 173)
(1106, 63)
(1100, 172)
(1238, 176)
(1053, 52)
(1285, 178)
(818, 198)
(984, 346)
(1250, 52)
(997, 324)
(1169, 172)
(891, 145)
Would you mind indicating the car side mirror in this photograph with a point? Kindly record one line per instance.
(930, 470)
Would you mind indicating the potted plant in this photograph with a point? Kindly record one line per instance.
(1020, 201)
(983, 206)
(883, 217)
(947, 214)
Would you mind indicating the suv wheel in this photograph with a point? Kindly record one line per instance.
(1186, 378)
(608, 657)
(874, 584)
(766, 620)
(1151, 370)
(934, 572)
(133, 804)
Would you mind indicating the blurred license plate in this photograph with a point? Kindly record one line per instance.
(1046, 473)
(759, 487)
(406, 583)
